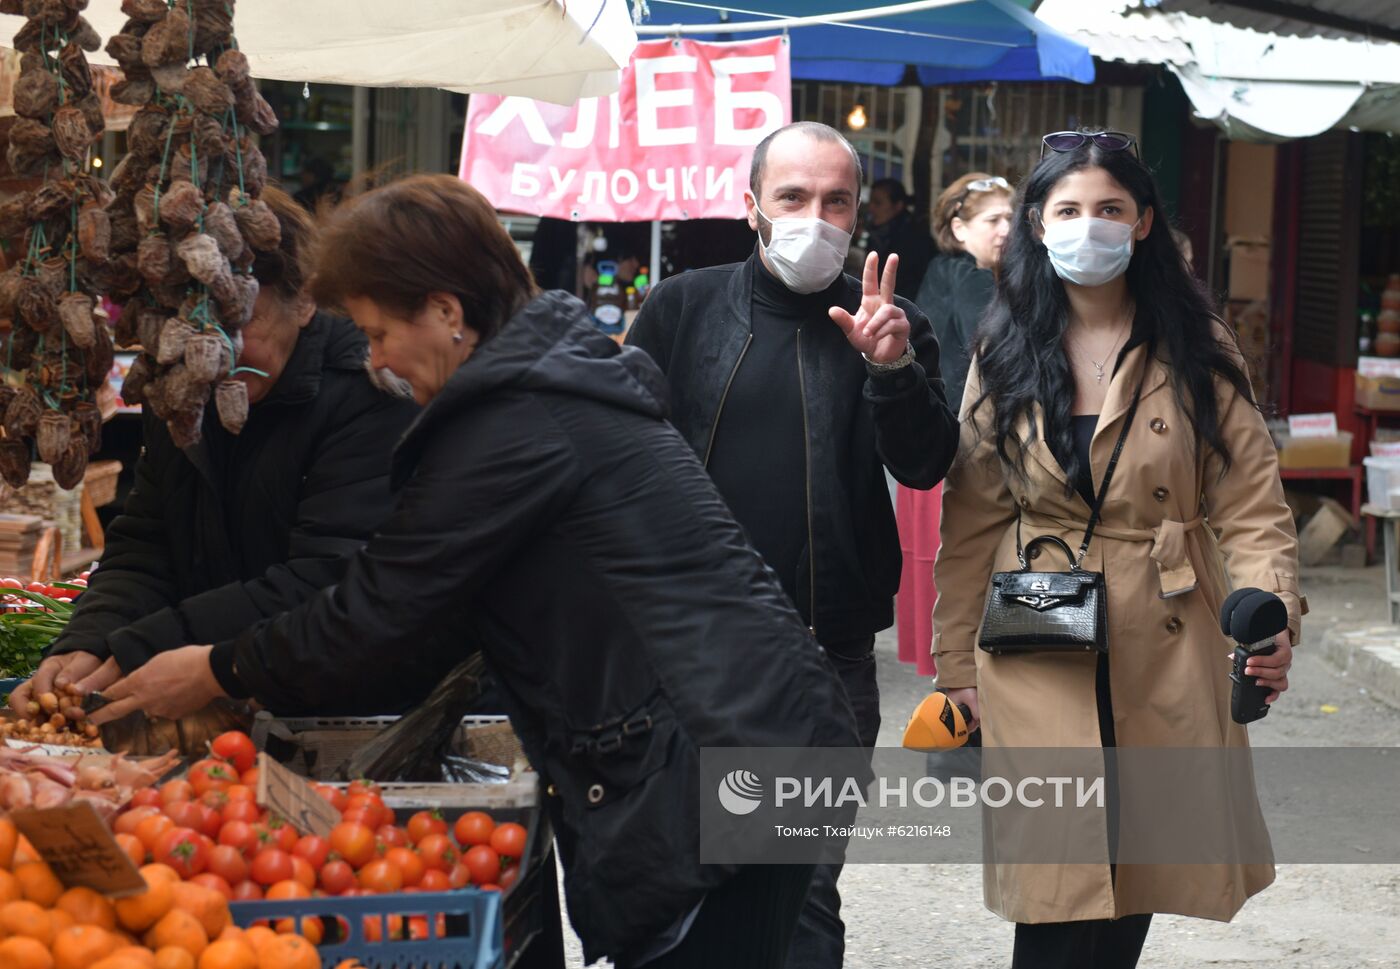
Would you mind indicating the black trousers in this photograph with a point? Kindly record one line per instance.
(746, 923)
(820, 942)
(1094, 943)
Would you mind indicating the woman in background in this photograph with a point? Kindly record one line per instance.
(971, 220)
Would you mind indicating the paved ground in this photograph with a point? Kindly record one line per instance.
(1314, 916)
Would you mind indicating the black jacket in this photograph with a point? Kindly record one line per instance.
(954, 295)
(911, 241)
(239, 528)
(546, 511)
(697, 326)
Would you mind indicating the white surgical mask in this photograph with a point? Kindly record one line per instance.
(1089, 251)
(806, 254)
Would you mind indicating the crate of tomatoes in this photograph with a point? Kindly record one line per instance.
(410, 875)
(500, 836)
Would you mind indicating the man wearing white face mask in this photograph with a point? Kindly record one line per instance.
(798, 386)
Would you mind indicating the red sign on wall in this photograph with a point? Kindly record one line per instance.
(673, 143)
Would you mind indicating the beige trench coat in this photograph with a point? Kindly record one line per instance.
(1168, 667)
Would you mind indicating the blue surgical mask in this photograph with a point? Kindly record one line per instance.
(1088, 251)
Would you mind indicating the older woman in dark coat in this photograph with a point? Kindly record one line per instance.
(547, 512)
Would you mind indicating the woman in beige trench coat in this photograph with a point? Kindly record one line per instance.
(1092, 301)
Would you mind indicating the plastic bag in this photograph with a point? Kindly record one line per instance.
(424, 746)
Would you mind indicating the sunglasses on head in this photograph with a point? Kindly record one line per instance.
(1062, 141)
(981, 185)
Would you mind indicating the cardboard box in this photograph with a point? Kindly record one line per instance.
(1378, 393)
(1249, 271)
(1314, 452)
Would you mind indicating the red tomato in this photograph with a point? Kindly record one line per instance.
(38, 587)
(425, 823)
(185, 814)
(282, 834)
(241, 792)
(212, 881)
(484, 864)
(438, 881)
(249, 778)
(362, 786)
(241, 811)
(313, 849)
(489, 887)
(509, 840)
(418, 927)
(270, 866)
(216, 799)
(392, 836)
(182, 849)
(437, 851)
(354, 842)
(11, 583)
(249, 891)
(381, 876)
(228, 863)
(510, 874)
(303, 872)
(474, 828)
(240, 835)
(146, 797)
(333, 795)
(172, 791)
(408, 862)
(337, 878)
(212, 822)
(211, 775)
(372, 806)
(237, 748)
(459, 877)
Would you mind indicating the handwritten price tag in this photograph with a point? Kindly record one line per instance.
(293, 799)
(80, 849)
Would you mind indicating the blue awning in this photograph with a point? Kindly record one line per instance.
(973, 41)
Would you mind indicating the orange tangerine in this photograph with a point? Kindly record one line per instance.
(88, 908)
(79, 946)
(181, 929)
(229, 954)
(21, 952)
(38, 883)
(27, 919)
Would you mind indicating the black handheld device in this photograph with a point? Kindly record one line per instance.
(1252, 618)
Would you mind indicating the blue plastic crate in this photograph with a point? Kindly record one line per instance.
(474, 939)
(8, 686)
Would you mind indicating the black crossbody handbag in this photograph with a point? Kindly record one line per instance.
(1054, 612)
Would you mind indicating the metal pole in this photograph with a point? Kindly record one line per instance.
(655, 265)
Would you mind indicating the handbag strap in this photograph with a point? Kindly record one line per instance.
(1096, 511)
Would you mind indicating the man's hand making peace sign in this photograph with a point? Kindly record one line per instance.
(880, 330)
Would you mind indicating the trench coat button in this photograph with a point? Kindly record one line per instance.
(1158, 426)
(552, 791)
(1174, 625)
(595, 793)
(1161, 494)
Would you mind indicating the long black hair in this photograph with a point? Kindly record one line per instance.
(1019, 342)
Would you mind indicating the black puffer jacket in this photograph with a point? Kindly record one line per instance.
(218, 536)
(954, 295)
(696, 327)
(546, 511)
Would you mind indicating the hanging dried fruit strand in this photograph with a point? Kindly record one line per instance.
(187, 214)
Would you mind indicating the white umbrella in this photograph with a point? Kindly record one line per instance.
(554, 50)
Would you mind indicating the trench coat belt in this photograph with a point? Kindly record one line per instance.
(1169, 549)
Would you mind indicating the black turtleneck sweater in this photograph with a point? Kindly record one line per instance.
(759, 458)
